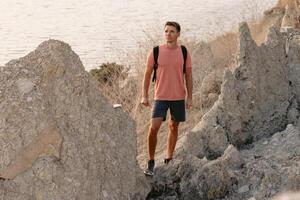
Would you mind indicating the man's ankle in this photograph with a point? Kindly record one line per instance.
(151, 163)
(167, 160)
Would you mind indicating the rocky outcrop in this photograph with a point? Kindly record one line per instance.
(210, 90)
(192, 178)
(247, 145)
(293, 52)
(272, 165)
(59, 137)
(267, 167)
(288, 12)
(255, 99)
(209, 61)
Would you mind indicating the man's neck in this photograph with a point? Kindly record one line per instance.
(172, 45)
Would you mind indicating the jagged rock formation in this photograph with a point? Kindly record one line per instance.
(209, 61)
(293, 52)
(59, 137)
(209, 90)
(270, 166)
(289, 12)
(193, 178)
(243, 148)
(255, 99)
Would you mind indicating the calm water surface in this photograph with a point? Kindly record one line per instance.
(104, 30)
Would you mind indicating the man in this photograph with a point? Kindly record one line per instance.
(170, 91)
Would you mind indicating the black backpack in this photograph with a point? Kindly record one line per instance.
(155, 54)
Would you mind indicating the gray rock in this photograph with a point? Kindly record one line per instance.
(243, 189)
(210, 90)
(254, 99)
(232, 158)
(25, 86)
(236, 175)
(59, 137)
(288, 196)
(247, 145)
(193, 178)
(294, 64)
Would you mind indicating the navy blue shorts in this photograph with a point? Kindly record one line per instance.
(177, 110)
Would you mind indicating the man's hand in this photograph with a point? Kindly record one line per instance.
(188, 103)
(145, 101)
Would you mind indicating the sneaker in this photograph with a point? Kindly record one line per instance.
(150, 170)
(167, 160)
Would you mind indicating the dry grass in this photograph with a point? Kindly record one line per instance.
(290, 3)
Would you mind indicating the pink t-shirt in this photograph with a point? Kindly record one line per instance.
(169, 84)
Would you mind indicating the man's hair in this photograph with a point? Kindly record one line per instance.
(175, 24)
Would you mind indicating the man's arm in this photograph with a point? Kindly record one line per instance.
(189, 87)
(146, 84)
(147, 79)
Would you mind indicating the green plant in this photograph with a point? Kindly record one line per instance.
(109, 73)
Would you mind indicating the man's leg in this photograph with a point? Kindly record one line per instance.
(152, 136)
(177, 110)
(152, 141)
(172, 138)
(159, 113)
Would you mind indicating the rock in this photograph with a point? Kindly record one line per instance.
(25, 86)
(293, 50)
(210, 90)
(171, 198)
(203, 63)
(274, 171)
(288, 196)
(287, 12)
(194, 178)
(243, 189)
(291, 16)
(250, 136)
(59, 137)
(254, 98)
(232, 158)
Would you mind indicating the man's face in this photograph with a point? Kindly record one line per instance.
(171, 34)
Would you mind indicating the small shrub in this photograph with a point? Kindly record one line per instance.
(109, 73)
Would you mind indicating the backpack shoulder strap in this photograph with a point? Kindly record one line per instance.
(184, 53)
(155, 55)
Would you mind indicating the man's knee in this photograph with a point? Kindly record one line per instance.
(155, 125)
(154, 129)
(173, 126)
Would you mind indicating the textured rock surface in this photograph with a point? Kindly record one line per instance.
(210, 90)
(59, 137)
(248, 144)
(288, 196)
(293, 52)
(194, 178)
(272, 165)
(287, 12)
(268, 167)
(209, 61)
(254, 101)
